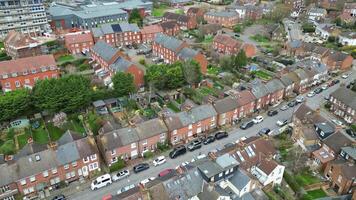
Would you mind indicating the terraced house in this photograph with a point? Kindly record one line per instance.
(184, 22)
(225, 18)
(343, 104)
(37, 167)
(196, 121)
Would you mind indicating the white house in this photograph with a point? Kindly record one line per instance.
(324, 30)
(240, 183)
(348, 38)
(268, 171)
(316, 14)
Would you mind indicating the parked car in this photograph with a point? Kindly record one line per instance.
(324, 87)
(299, 99)
(327, 98)
(141, 167)
(120, 175)
(318, 90)
(159, 161)
(221, 134)
(272, 113)
(165, 172)
(311, 94)
(351, 132)
(345, 76)
(126, 188)
(281, 123)
(292, 103)
(246, 125)
(209, 140)
(337, 122)
(336, 81)
(285, 107)
(258, 119)
(101, 181)
(180, 150)
(147, 180)
(195, 144)
(264, 131)
(59, 197)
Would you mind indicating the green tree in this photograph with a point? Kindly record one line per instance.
(192, 73)
(225, 63)
(135, 17)
(67, 94)
(14, 104)
(240, 60)
(123, 84)
(237, 29)
(167, 77)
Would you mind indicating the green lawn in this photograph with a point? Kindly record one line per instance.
(179, 11)
(305, 178)
(1, 45)
(314, 194)
(65, 58)
(260, 38)
(173, 107)
(22, 140)
(262, 75)
(54, 132)
(40, 135)
(208, 39)
(213, 70)
(158, 12)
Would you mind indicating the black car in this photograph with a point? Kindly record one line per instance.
(195, 144)
(180, 150)
(351, 133)
(318, 90)
(272, 113)
(246, 125)
(264, 131)
(59, 197)
(141, 167)
(292, 103)
(209, 139)
(336, 81)
(220, 135)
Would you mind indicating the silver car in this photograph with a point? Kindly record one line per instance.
(120, 175)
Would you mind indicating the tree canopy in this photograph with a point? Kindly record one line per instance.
(192, 73)
(123, 84)
(14, 104)
(135, 17)
(67, 94)
(234, 62)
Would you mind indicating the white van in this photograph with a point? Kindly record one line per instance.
(101, 181)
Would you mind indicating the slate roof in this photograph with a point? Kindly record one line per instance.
(168, 42)
(226, 161)
(274, 85)
(346, 96)
(225, 105)
(187, 53)
(118, 138)
(351, 151)
(240, 179)
(151, 128)
(168, 25)
(222, 14)
(338, 140)
(301, 74)
(227, 40)
(286, 80)
(244, 97)
(126, 27)
(104, 50)
(175, 16)
(258, 89)
(209, 168)
(121, 65)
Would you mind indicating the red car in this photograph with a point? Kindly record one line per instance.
(165, 172)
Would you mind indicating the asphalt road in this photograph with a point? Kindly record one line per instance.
(235, 134)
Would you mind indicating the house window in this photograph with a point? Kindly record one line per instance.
(45, 173)
(190, 126)
(32, 178)
(86, 159)
(133, 145)
(93, 166)
(74, 164)
(54, 171)
(113, 152)
(33, 71)
(23, 182)
(227, 172)
(93, 157)
(17, 83)
(220, 175)
(27, 81)
(339, 179)
(66, 166)
(7, 84)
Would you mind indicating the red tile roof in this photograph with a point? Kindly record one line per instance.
(18, 40)
(28, 63)
(245, 97)
(152, 29)
(78, 38)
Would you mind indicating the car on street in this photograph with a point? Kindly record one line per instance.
(221, 134)
(165, 172)
(264, 131)
(336, 81)
(337, 122)
(299, 99)
(311, 94)
(159, 161)
(285, 107)
(327, 98)
(177, 151)
(209, 140)
(351, 132)
(318, 90)
(292, 103)
(59, 197)
(126, 188)
(141, 167)
(324, 87)
(258, 119)
(101, 181)
(247, 125)
(282, 122)
(120, 175)
(272, 113)
(193, 145)
(147, 180)
(345, 76)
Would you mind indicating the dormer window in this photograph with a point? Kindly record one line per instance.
(4, 76)
(14, 74)
(33, 71)
(43, 69)
(25, 73)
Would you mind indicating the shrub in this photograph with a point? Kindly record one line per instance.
(148, 155)
(8, 147)
(142, 62)
(117, 166)
(10, 134)
(291, 182)
(162, 146)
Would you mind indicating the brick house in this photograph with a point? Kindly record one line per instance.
(341, 175)
(112, 60)
(172, 50)
(24, 72)
(37, 167)
(246, 103)
(170, 28)
(343, 104)
(226, 109)
(149, 32)
(184, 22)
(118, 143)
(195, 12)
(337, 60)
(296, 80)
(18, 45)
(303, 84)
(294, 3)
(261, 93)
(247, 12)
(276, 90)
(196, 121)
(331, 147)
(288, 85)
(118, 34)
(78, 42)
(348, 14)
(225, 18)
(225, 44)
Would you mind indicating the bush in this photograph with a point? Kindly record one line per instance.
(8, 147)
(142, 62)
(117, 166)
(148, 155)
(327, 105)
(292, 182)
(162, 146)
(10, 134)
(353, 127)
(84, 66)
